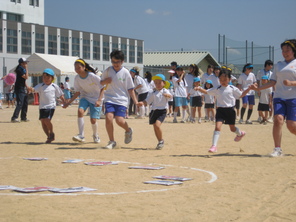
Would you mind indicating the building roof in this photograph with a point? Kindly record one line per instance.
(61, 65)
(182, 58)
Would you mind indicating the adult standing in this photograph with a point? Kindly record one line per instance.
(284, 101)
(20, 89)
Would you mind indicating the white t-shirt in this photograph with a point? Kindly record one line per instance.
(194, 93)
(283, 71)
(225, 96)
(150, 85)
(265, 96)
(189, 79)
(138, 80)
(246, 81)
(117, 91)
(67, 85)
(180, 88)
(209, 99)
(215, 80)
(204, 78)
(158, 100)
(48, 95)
(89, 87)
(262, 72)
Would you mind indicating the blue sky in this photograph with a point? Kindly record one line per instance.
(172, 25)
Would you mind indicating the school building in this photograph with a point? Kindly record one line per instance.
(24, 34)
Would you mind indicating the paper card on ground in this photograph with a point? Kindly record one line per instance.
(7, 187)
(71, 189)
(35, 158)
(72, 161)
(172, 178)
(163, 182)
(101, 163)
(146, 167)
(32, 189)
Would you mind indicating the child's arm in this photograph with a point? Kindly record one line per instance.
(106, 81)
(99, 101)
(245, 92)
(142, 103)
(181, 77)
(201, 90)
(265, 86)
(289, 83)
(63, 99)
(133, 96)
(71, 100)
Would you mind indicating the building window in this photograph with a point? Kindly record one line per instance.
(34, 3)
(106, 51)
(26, 42)
(13, 0)
(140, 54)
(86, 49)
(132, 54)
(96, 50)
(39, 43)
(11, 41)
(64, 45)
(14, 17)
(31, 2)
(114, 46)
(52, 44)
(75, 47)
(124, 49)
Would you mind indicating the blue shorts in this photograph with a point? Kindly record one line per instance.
(249, 99)
(95, 112)
(181, 101)
(118, 110)
(67, 94)
(285, 107)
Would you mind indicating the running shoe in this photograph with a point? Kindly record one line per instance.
(110, 145)
(160, 145)
(238, 138)
(50, 138)
(213, 149)
(276, 152)
(270, 120)
(183, 121)
(175, 121)
(78, 138)
(199, 120)
(128, 136)
(15, 121)
(249, 122)
(240, 121)
(96, 139)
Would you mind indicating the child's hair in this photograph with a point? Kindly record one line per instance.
(268, 62)
(226, 72)
(292, 44)
(117, 54)
(148, 76)
(179, 68)
(209, 67)
(67, 78)
(211, 85)
(245, 66)
(195, 70)
(87, 67)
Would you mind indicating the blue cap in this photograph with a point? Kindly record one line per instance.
(49, 72)
(209, 81)
(196, 79)
(158, 76)
(264, 77)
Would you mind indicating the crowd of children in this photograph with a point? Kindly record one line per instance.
(214, 90)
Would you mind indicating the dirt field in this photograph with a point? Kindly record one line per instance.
(238, 183)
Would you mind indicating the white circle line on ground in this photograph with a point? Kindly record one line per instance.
(213, 179)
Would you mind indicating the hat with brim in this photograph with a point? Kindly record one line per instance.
(162, 77)
(171, 71)
(49, 72)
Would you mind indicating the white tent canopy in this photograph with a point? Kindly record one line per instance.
(61, 65)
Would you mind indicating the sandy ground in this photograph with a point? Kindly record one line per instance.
(239, 183)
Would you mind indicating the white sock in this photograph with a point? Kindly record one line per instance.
(175, 115)
(142, 111)
(183, 113)
(216, 136)
(95, 129)
(188, 112)
(237, 131)
(81, 126)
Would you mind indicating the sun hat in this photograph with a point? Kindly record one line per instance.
(264, 77)
(49, 71)
(196, 79)
(171, 71)
(162, 77)
(209, 81)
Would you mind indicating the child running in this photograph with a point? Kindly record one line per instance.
(225, 95)
(87, 86)
(48, 92)
(119, 87)
(195, 97)
(210, 101)
(159, 99)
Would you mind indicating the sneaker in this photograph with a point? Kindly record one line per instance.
(128, 136)
(270, 120)
(139, 117)
(240, 121)
(25, 120)
(175, 121)
(249, 122)
(265, 122)
(110, 145)
(238, 138)
(213, 149)
(50, 138)
(15, 121)
(199, 120)
(259, 119)
(183, 121)
(96, 139)
(78, 138)
(160, 145)
(276, 152)
(1, 107)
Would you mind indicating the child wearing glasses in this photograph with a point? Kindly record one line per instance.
(119, 87)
